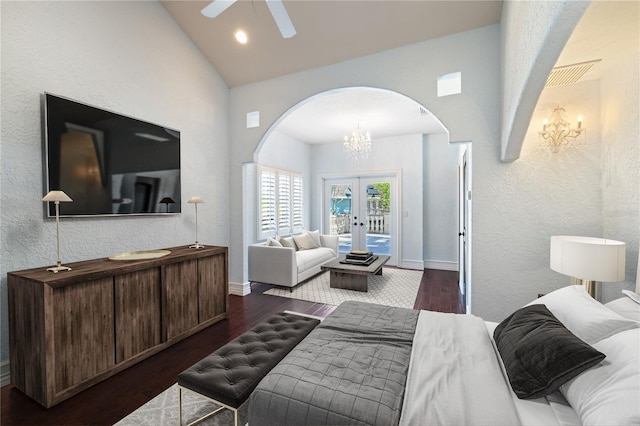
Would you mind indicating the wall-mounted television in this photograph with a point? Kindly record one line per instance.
(108, 163)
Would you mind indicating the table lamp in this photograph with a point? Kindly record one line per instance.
(588, 260)
(57, 197)
(196, 201)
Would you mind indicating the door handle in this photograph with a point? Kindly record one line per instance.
(361, 224)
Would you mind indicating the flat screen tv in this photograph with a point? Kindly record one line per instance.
(108, 163)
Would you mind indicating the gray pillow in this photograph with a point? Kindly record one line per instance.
(539, 353)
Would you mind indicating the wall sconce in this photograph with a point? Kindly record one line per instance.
(558, 132)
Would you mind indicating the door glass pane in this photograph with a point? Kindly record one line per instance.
(378, 220)
(340, 221)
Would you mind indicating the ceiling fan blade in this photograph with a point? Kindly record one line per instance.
(281, 17)
(216, 8)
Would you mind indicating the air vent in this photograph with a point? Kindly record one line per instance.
(569, 74)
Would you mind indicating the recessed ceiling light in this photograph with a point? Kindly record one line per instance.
(241, 36)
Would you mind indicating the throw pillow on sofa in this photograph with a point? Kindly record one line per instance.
(288, 242)
(273, 243)
(305, 242)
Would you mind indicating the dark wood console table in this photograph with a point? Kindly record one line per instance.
(72, 329)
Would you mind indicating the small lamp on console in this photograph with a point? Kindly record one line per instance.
(588, 260)
(57, 197)
(196, 201)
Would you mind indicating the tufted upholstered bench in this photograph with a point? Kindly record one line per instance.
(230, 374)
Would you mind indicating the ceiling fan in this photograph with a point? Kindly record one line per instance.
(276, 8)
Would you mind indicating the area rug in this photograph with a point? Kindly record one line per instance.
(395, 287)
(163, 410)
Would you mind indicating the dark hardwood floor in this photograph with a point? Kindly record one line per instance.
(113, 399)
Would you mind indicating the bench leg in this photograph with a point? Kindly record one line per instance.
(206, 416)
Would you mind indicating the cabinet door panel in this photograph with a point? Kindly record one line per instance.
(180, 295)
(83, 336)
(137, 301)
(212, 279)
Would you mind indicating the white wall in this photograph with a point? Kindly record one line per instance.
(284, 152)
(411, 70)
(402, 153)
(620, 115)
(128, 57)
(440, 202)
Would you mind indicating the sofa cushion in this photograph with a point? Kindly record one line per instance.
(307, 259)
(305, 242)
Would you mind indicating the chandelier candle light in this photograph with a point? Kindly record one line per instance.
(57, 197)
(558, 132)
(358, 145)
(196, 201)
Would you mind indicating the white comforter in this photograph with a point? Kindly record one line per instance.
(454, 375)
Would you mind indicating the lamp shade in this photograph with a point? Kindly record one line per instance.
(195, 200)
(587, 258)
(167, 200)
(57, 196)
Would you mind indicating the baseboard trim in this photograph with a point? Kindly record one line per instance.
(5, 373)
(240, 289)
(412, 264)
(443, 265)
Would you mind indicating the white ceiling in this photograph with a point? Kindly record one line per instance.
(356, 28)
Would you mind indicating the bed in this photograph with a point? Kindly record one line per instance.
(562, 359)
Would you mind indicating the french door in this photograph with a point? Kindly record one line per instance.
(361, 211)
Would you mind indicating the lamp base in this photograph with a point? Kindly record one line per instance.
(196, 245)
(589, 285)
(56, 269)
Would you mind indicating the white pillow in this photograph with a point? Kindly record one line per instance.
(288, 242)
(272, 243)
(609, 394)
(631, 295)
(316, 237)
(305, 242)
(584, 316)
(625, 307)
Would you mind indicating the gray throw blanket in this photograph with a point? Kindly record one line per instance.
(352, 369)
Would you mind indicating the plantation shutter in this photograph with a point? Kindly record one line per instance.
(297, 204)
(267, 209)
(284, 203)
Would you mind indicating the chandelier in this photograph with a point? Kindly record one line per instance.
(357, 146)
(558, 132)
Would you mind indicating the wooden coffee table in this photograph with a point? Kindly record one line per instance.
(353, 277)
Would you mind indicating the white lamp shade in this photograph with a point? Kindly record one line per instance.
(587, 258)
(195, 200)
(57, 196)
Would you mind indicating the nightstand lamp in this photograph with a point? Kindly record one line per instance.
(588, 260)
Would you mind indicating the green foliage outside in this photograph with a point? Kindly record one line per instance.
(384, 188)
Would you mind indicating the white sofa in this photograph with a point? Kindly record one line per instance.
(274, 262)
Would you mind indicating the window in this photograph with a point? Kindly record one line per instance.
(280, 209)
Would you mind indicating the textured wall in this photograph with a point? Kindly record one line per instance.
(621, 161)
(129, 57)
(533, 33)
